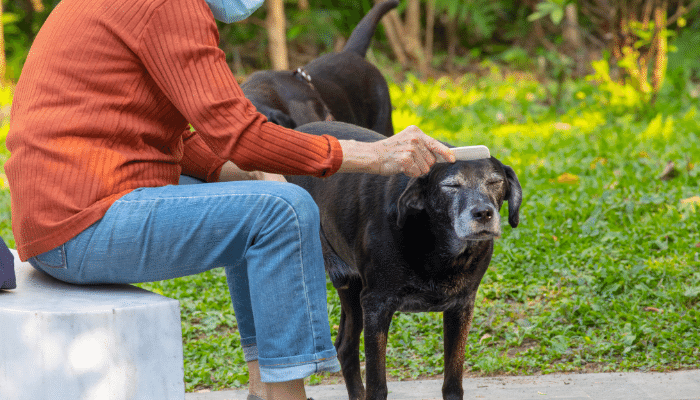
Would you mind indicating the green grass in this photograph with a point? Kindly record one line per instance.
(602, 274)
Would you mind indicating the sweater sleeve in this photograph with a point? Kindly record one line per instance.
(179, 50)
(198, 160)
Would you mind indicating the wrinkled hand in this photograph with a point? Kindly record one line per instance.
(410, 152)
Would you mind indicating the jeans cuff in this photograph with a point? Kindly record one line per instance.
(289, 372)
(250, 352)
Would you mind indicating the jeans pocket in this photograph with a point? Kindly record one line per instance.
(55, 259)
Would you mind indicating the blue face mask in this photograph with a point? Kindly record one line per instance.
(229, 11)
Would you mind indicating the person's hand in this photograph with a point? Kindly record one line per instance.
(410, 151)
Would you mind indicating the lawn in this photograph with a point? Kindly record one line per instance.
(603, 272)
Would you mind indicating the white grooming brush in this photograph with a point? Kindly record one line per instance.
(467, 153)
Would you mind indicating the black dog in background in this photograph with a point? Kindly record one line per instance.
(339, 86)
(407, 244)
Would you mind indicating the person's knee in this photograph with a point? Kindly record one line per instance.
(300, 202)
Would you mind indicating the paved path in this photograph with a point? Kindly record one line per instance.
(680, 385)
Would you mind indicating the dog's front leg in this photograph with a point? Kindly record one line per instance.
(348, 339)
(378, 311)
(456, 325)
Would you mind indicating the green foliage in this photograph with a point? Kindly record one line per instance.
(6, 219)
(623, 95)
(552, 8)
(602, 273)
(5, 214)
(478, 17)
(19, 31)
(683, 65)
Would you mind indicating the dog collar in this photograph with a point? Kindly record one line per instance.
(305, 76)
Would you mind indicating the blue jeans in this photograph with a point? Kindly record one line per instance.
(264, 234)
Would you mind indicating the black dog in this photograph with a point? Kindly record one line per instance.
(340, 86)
(407, 244)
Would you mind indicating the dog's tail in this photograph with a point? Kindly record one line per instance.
(362, 34)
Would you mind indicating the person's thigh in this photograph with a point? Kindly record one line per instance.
(167, 232)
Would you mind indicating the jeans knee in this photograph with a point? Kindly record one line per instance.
(300, 202)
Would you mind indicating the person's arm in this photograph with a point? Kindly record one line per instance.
(182, 56)
(231, 172)
(198, 160)
(179, 49)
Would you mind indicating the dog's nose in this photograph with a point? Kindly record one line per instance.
(482, 214)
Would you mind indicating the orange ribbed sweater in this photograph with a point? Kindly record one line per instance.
(102, 107)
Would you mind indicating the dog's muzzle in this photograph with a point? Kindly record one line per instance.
(481, 222)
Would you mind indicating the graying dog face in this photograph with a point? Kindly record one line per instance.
(463, 200)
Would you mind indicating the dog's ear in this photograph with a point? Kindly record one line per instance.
(514, 196)
(410, 199)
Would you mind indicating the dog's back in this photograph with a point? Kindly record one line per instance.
(367, 92)
(343, 86)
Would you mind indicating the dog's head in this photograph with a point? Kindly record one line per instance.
(463, 200)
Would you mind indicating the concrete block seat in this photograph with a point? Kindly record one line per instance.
(61, 341)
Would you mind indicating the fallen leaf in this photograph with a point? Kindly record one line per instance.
(691, 200)
(486, 336)
(669, 173)
(567, 178)
(598, 160)
(562, 126)
(658, 310)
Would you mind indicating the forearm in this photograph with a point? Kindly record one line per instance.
(231, 172)
(359, 157)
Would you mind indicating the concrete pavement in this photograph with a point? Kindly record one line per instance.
(679, 385)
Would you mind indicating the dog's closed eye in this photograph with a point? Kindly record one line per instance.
(494, 182)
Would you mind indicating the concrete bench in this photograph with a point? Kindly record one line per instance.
(113, 342)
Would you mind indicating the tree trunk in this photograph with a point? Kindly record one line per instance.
(412, 37)
(276, 32)
(452, 41)
(394, 36)
(2, 48)
(661, 58)
(429, 32)
(572, 38)
(413, 20)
